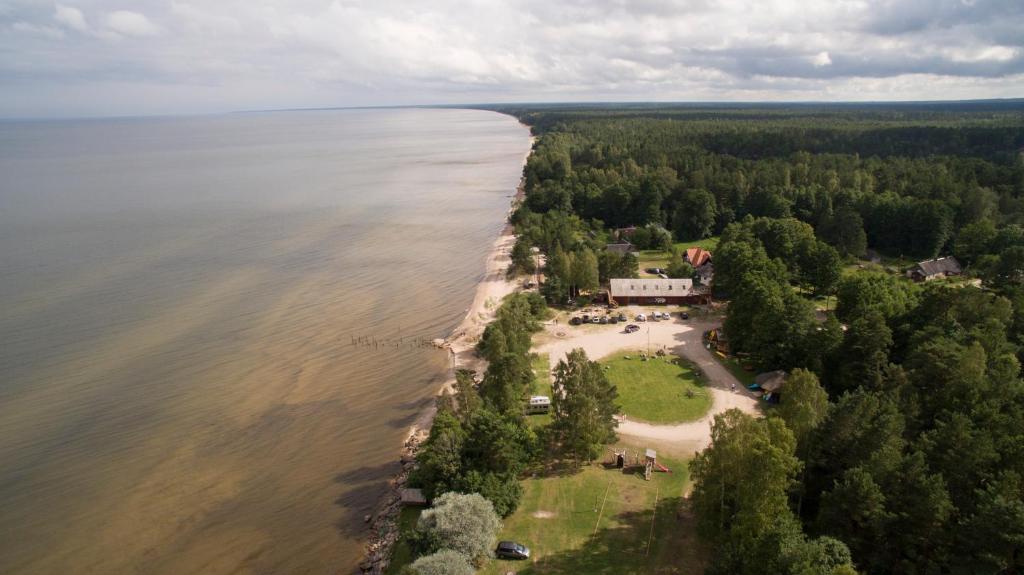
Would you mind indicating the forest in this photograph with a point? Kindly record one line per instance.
(899, 442)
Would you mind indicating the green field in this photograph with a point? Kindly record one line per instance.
(659, 258)
(656, 390)
(604, 521)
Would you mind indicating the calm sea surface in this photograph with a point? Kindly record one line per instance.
(179, 390)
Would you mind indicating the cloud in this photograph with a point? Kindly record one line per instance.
(235, 54)
(48, 31)
(70, 17)
(130, 24)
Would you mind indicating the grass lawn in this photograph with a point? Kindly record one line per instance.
(541, 386)
(656, 390)
(735, 368)
(659, 258)
(604, 521)
(401, 555)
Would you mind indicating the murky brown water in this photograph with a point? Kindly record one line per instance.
(179, 391)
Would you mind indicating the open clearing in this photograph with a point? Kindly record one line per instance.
(600, 520)
(664, 389)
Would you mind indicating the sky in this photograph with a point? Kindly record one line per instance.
(146, 57)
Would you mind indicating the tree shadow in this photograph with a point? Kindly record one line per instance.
(631, 546)
(364, 488)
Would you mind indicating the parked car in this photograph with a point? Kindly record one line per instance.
(595, 319)
(641, 317)
(512, 550)
(622, 317)
(586, 318)
(603, 321)
(613, 320)
(632, 327)
(659, 300)
(575, 321)
(651, 270)
(684, 315)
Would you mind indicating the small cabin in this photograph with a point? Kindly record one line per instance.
(538, 404)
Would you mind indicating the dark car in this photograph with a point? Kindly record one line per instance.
(622, 317)
(575, 321)
(603, 320)
(586, 318)
(512, 550)
(632, 327)
(684, 315)
(613, 320)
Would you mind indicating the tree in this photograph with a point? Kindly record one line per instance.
(464, 523)
(679, 268)
(466, 393)
(974, 240)
(864, 354)
(522, 257)
(583, 406)
(804, 404)
(506, 383)
(819, 265)
(584, 271)
(845, 231)
(742, 480)
(1009, 270)
(858, 293)
(445, 562)
(440, 459)
(661, 239)
(695, 215)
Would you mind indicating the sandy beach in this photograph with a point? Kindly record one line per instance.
(493, 287)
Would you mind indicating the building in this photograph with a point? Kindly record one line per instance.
(655, 291)
(624, 234)
(621, 248)
(770, 383)
(935, 269)
(706, 273)
(697, 256)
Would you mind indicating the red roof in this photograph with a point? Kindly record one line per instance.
(697, 256)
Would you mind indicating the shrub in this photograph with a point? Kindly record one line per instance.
(466, 524)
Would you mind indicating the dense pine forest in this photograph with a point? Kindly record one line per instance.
(899, 443)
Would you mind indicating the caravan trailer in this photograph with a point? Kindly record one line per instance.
(538, 404)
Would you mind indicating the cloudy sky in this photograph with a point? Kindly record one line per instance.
(128, 57)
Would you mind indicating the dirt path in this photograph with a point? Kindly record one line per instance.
(681, 337)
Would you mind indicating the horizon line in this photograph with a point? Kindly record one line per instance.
(565, 103)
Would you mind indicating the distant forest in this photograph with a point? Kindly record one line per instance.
(900, 441)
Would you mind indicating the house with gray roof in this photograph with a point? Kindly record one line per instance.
(934, 269)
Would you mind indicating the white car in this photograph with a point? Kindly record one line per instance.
(641, 317)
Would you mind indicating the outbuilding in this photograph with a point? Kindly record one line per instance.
(621, 248)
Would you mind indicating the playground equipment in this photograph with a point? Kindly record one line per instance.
(651, 464)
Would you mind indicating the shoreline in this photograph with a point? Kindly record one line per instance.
(460, 344)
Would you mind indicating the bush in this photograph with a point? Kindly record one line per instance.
(445, 562)
(466, 524)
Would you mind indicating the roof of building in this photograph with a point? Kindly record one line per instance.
(697, 256)
(771, 380)
(651, 287)
(621, 247)
(411, 496)
(945, 265)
